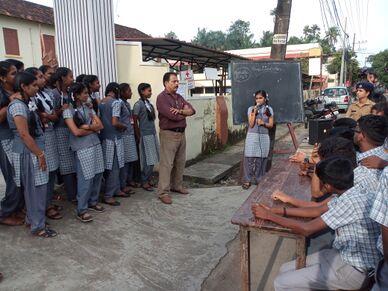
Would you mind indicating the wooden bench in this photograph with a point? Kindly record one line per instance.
(284, 176)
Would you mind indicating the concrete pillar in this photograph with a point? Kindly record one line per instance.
(85, 37)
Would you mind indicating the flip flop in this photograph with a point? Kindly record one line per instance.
(246, 186)
(113, 203)
(149, 188)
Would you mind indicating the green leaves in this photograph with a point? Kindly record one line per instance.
(380, 66)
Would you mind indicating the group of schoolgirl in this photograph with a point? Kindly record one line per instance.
(51, 126)
(349, 184)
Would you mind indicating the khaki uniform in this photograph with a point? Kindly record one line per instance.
(356, 110)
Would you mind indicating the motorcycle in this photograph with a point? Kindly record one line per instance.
(316, 108)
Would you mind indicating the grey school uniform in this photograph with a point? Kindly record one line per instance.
(13, 199)
(149, 143)
(45, 98)
(27, 173)
(256, 147)
(66, 155)
(89, 161)
(112, 146)
(130, 149)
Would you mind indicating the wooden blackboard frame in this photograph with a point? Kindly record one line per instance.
(282, 80)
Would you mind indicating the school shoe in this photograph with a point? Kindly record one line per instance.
(165, 198)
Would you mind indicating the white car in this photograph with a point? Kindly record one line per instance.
(339, 95)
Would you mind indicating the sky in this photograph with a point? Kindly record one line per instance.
(365, 18)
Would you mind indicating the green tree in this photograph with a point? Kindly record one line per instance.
(311, 34)
(295, 40)
(171, 35)
(239, 35)
(380, 65)
(329, 41)
(352, 67)
(266, 39)
(210, 39)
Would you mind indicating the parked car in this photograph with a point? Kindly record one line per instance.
(339, 95)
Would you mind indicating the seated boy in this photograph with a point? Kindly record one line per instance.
(379, 213)
(353, 255)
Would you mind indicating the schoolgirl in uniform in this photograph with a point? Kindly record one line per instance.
(93, 85)
(63, 78)
(130, 149)
(84, 125)
(13, 200)
(45, 108)
(47, 72)
(144, 117)
(112, 142)
(28, 157)
(260, 118)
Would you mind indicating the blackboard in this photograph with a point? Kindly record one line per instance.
(280, 79)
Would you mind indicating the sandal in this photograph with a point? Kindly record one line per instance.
(127, 190)
(134, 185)
(122, 194)
(111, 203)
(97, 208)
(52, 213)
(165, 198)
(148, 187)
(46, 233)
(246, 186)
(57, 207)
(85, 217)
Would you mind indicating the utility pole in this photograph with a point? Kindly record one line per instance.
(341, 80)
(280, 32)
(351, 66)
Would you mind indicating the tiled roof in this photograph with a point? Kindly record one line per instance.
(128, 32)
(27, 10)
(43, 14)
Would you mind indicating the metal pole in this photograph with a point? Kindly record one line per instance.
(341, 80)
(351, 66)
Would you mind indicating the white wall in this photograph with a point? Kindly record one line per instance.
(29, 35)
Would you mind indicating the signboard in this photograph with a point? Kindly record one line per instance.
(211, 74)
(188, 77)
(314, 66)
(279, 39)
(182, 89)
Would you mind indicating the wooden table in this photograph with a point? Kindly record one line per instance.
(283, 176)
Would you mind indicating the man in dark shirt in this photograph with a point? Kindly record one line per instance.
(172, 109)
